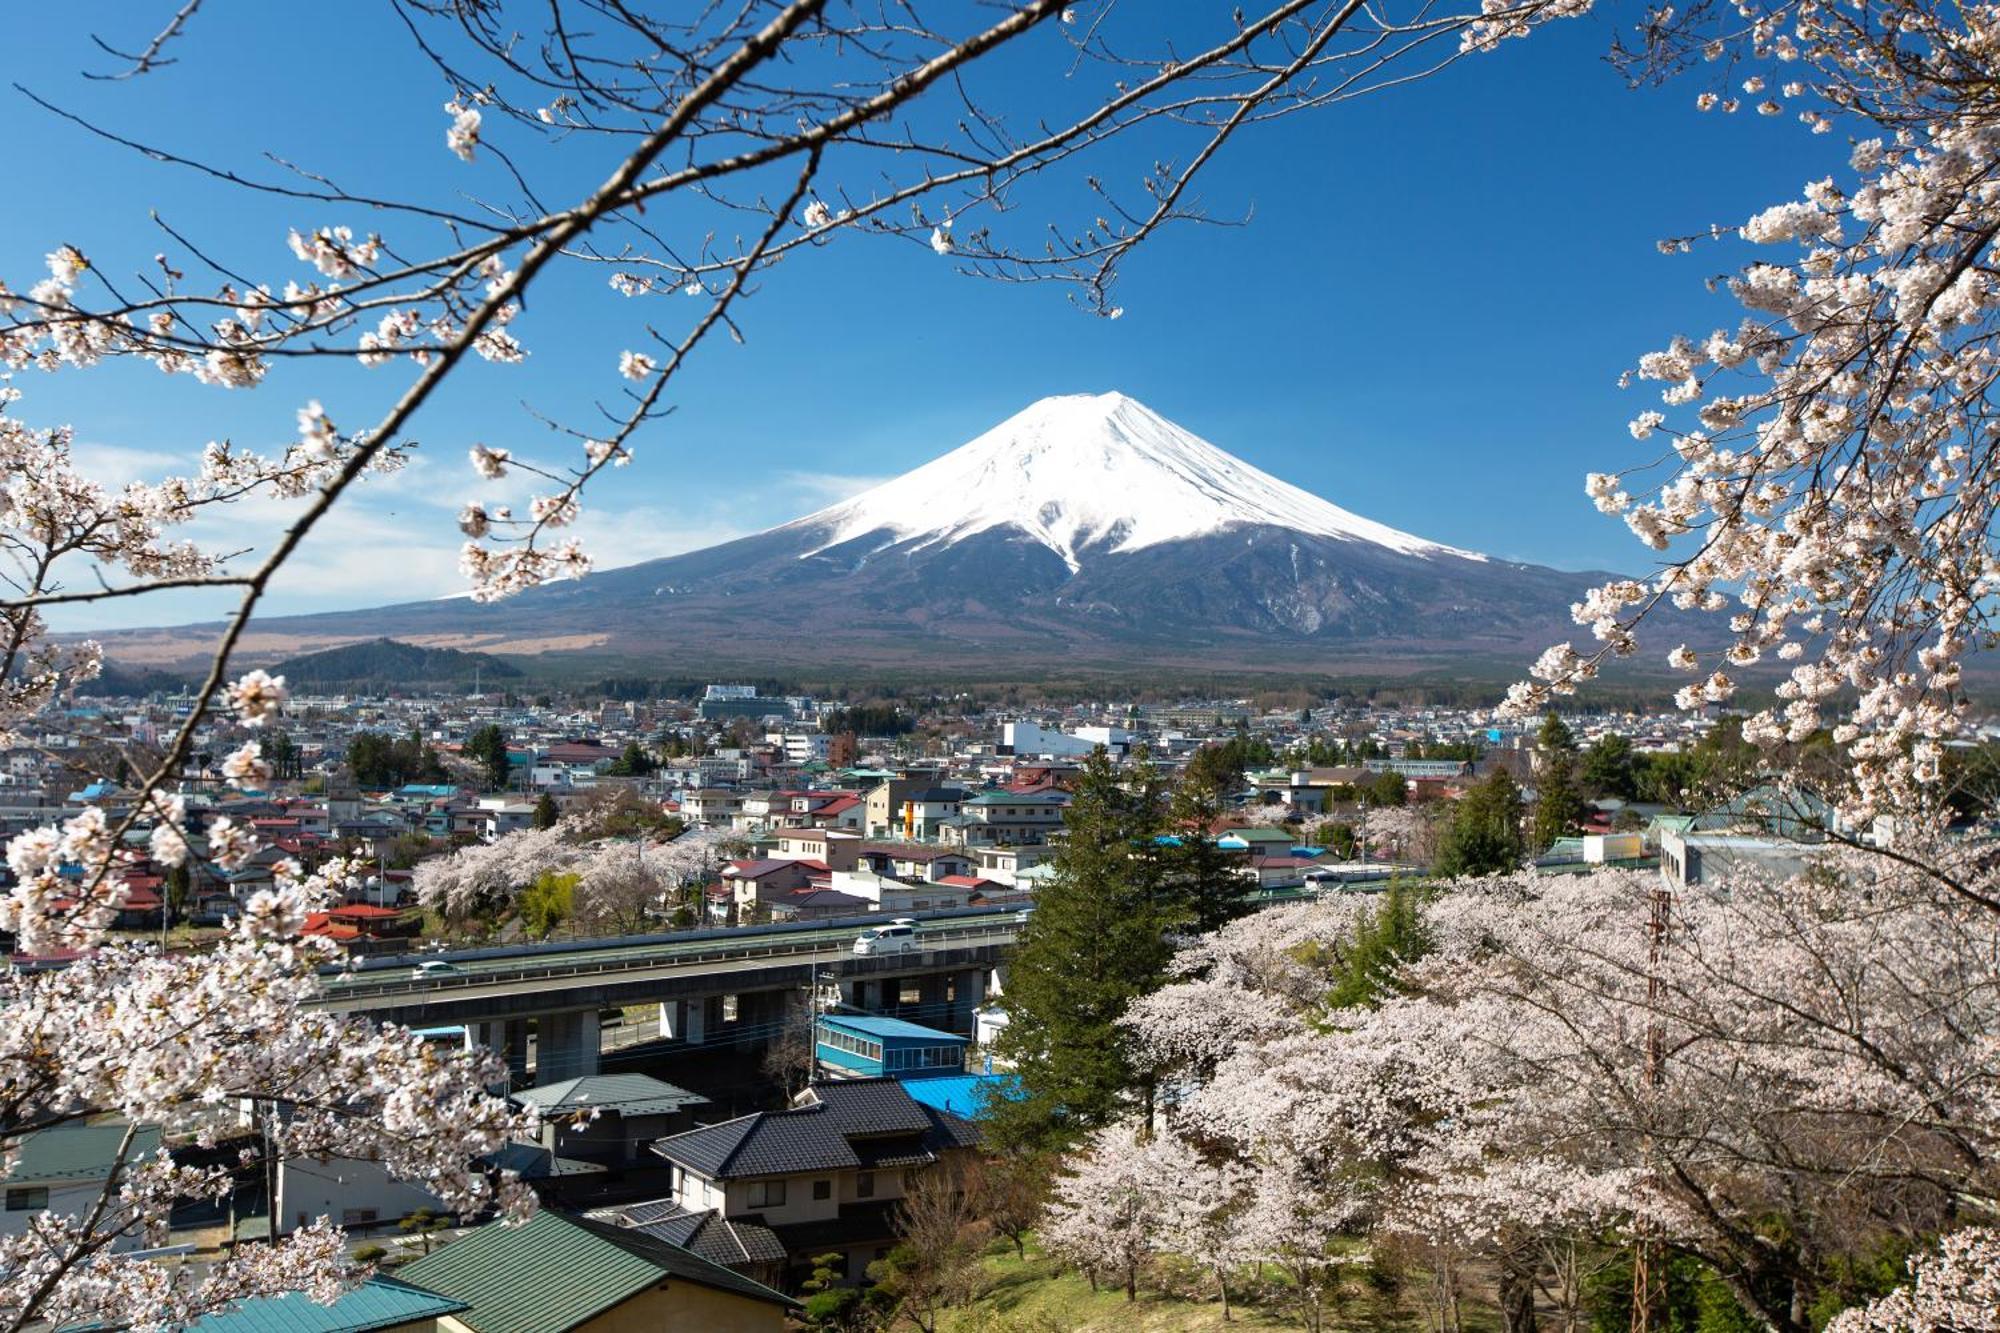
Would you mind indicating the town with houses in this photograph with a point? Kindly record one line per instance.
(741, 1083)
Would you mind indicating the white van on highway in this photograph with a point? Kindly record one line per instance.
(899, 936)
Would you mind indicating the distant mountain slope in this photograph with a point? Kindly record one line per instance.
(388, 662)
(1085, 530)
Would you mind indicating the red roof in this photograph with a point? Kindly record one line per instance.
(363, 912)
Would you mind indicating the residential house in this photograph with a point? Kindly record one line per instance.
(752, 882)
(913, 861)
(1007, 818)
(498, 816)
(882, 804)
(559, 1273)
(712, 805)
(817, 905)
(1005, 864)
(609, 1118)
(381, 1304)
(925, 811)
(836, 849)
(824, 1176)
(65, 1171)
(742, 1246)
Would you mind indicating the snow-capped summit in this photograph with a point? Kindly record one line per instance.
(1084, 531)
(1101, 473)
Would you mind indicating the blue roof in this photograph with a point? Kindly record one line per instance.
(887, 1029)
(427, 789)
(967, 1096)
(380, 1302)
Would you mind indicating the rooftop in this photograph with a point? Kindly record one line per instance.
(558, 1272)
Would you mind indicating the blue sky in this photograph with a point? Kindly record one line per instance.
(1423, 321)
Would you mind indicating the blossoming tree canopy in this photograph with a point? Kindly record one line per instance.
(1825, 486)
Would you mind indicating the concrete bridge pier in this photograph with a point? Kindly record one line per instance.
(684, 1020)
(968, 993)
(507, 1039)
(567, 1045)
(934, 1000)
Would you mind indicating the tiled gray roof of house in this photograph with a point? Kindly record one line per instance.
(872, 1106)
(627, 1094)
(707, 1150)
(730, 1242)
(817, 1136)
(769, 1143)
(531, 1161)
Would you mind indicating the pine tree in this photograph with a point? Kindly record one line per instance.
(487, 746)
(1610, 768)
(1098, 939)
(1204, 876)
(546, 813)
(1484, 836)
(1558, 807)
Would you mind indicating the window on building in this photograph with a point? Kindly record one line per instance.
(767, 1194)
(909, 991)
(729, 1008)
(822, 1189)
(27, 1200)
(864, 1184)
(357, 1217)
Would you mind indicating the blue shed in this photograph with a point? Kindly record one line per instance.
(864, 1046)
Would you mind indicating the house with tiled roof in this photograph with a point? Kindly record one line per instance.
(913, 861)
(741, 1245)
(609, 1118)
(559, 1273)
(824, 1176)
(1006, 818)
(754, 882)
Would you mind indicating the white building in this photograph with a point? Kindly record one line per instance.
(65, 1172)
(1026, 738)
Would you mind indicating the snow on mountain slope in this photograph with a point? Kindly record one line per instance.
(1092, 472)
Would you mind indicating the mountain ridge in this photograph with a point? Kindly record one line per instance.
(1085, 529)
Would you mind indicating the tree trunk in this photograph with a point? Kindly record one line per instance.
(1517, 1298)
(1222, 1285)
(1132, 1283)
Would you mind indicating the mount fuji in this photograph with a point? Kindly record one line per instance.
(1084, 530)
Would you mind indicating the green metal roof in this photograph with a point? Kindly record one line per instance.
(627, 1094)
(79, 1152)
(380, 1302)
(557, 1272)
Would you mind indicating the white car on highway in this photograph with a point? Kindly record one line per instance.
(433, 967)
(899, 936)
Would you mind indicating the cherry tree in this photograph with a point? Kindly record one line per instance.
(1955, 1289)
(1832, 479)
(620, 884)
(1823, 483)
(1763, 1087)
(1107, 1210)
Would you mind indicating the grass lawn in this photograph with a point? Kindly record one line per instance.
(1036, 1296)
